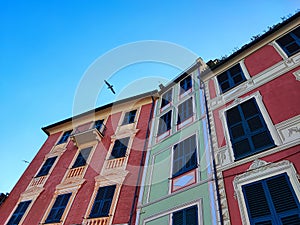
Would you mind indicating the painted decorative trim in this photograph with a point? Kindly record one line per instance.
(57, 150)
(297, 75)
(278, 49)
(289, 130)
(260, 155)
(259, 170)
(245, 70)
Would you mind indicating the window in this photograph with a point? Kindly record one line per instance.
(119, 149)
(290, 43)
(58, 208)
(65, 137)
(188, 216)
(185, 84)
(82, 157)
(103, 201)
(272, 201)
(129, 117)
(185, 158)
(46, 167)
(248, 131)
(18, 213)
(185, 110)
(98, 125)
(164, 123)
(231, 78)
(166, 98)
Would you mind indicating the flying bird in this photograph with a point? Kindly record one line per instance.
(25, 161)
(109, 86)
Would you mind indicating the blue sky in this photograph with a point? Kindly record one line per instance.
(46, 47)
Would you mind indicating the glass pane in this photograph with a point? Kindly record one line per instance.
(222, 77)
(241, 148)
(262, 140)
(233, 116)
(225, 86)
(293, 48)
(249, 108)
(297, 32)
(285, 40)
(238, 79)
(235, 70)
(255, 123)
(237, 131)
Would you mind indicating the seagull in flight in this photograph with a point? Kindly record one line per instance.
(109, 86)
(25, 161)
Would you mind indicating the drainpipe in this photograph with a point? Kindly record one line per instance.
(133, 207)
(202, 86)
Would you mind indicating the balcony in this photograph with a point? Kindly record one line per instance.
(80, 137)
(115, 163)
(75, 172)
(97, 221)
(38, 181)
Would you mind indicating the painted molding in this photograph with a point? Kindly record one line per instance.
(297, 75)
(289, 130)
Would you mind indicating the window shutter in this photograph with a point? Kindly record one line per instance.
(281, 193)
(58, 208)
(103, 201)
(185, 156)
(272, 201)
(178, 218)
(192, 216)
(187, 216)
(46, 167)
(18, 213)
(257, 203)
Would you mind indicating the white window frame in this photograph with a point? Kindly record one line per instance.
(260, 170)
(222, 113)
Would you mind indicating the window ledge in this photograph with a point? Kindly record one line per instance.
(163, 135)
(166, 107)
(185, 122)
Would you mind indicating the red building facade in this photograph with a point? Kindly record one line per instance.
(87, 171)
(254, 107)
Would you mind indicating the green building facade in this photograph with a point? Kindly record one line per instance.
(178, 185)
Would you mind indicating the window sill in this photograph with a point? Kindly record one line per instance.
(185, 123)
(165, 107)
(163, 135)
(182, 95)
(184, 180)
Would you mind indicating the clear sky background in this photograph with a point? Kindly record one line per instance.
(46, 47)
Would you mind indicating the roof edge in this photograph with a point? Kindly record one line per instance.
(143, 95)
